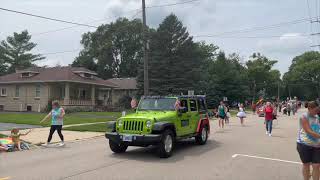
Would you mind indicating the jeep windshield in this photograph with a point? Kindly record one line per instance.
(157, 104)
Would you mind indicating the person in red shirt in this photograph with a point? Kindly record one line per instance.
(268, 111)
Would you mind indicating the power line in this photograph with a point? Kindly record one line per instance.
(252, 37)
(95, 21)
(172, 4)
(47, 18)
(258, 28)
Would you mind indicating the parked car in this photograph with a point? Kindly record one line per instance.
(161, 121)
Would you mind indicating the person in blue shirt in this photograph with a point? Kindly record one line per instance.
(57, 113)
(308, 141)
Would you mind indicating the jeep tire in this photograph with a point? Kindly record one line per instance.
(117, 148)
(202, 137)
(166, 144)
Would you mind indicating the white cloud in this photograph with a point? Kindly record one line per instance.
(288, 43)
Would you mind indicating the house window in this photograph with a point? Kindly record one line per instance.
(17, 91)
(87, 75)
(38, 87)
(62, 92)
(82, 93)
(3, 92)
(25, 74)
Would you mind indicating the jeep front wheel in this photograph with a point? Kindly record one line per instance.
(117, 148)
(166, 144)
(202, 137)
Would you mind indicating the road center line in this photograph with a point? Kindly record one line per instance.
(265, 158)
(5, 178)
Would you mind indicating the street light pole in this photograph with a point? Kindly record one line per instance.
(145, 50)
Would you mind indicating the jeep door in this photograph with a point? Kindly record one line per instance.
(193, 115)
(183, 123)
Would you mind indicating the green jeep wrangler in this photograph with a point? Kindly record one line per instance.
(161, 121)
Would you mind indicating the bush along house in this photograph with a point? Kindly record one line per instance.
(74, 87)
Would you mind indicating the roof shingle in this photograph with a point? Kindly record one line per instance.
(55, 74)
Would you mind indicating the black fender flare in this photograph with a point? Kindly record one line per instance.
(159, 127)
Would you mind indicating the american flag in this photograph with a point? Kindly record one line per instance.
(177, 105)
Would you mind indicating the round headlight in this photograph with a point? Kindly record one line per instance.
(120, 122)
(148, 124)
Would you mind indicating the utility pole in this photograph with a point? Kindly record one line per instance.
(254, 91)
(278, 91)
(289, 91)
(145, 50)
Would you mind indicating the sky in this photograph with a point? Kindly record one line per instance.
(202, 18)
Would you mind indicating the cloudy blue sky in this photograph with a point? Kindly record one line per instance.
(205, 17)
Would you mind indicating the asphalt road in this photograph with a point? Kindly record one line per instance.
(236, 153)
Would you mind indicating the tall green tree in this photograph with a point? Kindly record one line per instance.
(303, 78)
(175, 59)
(15, 52)
(226, 78)
(113, 50)
(263, 78)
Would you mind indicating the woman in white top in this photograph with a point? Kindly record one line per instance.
(241, 114)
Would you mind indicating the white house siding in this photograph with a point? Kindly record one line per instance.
(27, 97)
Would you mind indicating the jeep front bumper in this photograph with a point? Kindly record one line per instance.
(137, 140)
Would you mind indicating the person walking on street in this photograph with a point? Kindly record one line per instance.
(228, 115)
(254, 107)
(222, 113)
(308, 145)
(268, 111)
(241, 114)
(289, 108)
(57, 114)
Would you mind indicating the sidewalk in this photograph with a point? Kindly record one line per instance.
(39, 135)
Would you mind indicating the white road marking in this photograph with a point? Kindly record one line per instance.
(265, 158)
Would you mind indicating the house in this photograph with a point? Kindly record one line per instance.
(34, 88)
(126, 88)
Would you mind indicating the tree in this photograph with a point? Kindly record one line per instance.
(113, 50)
(175, 60)
(303, 77)
(226, 78)
(261, 75)
(15, 52)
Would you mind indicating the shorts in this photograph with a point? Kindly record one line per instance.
(308, 154)
(222, 117)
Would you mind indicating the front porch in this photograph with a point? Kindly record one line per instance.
(77, 94)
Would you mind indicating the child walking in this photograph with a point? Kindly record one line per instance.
(241, 114)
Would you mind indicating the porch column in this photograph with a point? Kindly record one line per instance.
(93, 95)
(66, 94)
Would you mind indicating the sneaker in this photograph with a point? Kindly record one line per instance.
(270, 135)
(62, 143)
(46, 144)
(267, 132)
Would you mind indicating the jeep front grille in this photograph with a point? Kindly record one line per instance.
(133, 125)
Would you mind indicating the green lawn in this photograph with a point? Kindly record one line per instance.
(92, 128)
(74, 118)
(2, 136)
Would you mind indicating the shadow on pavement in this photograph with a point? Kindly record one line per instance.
(182, 149)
